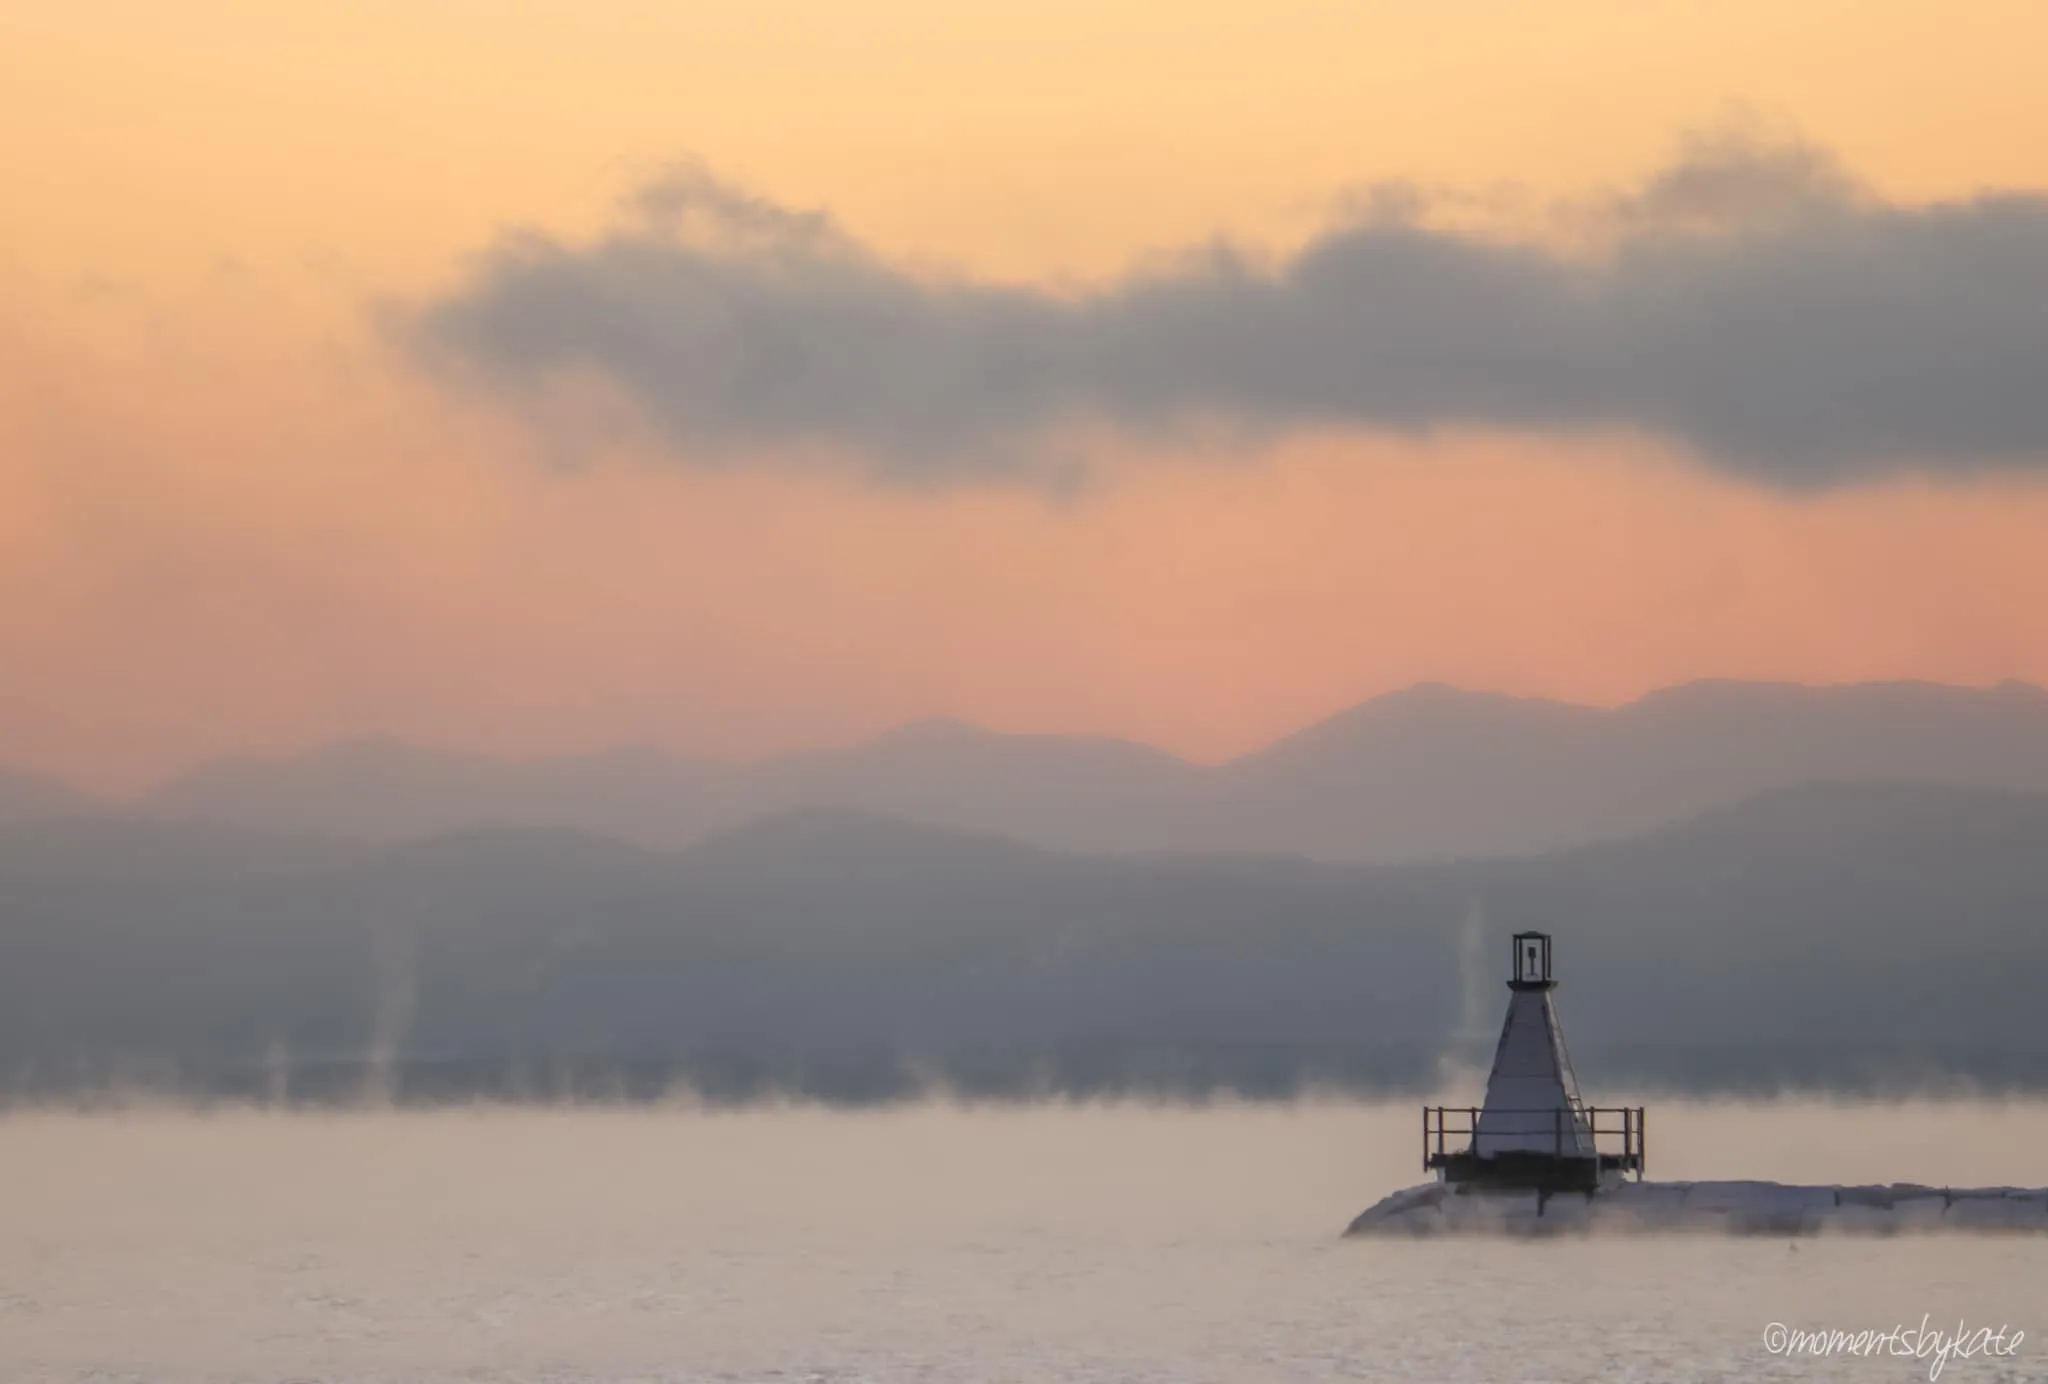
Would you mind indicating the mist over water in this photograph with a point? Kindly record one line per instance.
(931, 1241)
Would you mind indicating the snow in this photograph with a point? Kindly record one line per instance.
(1754, 1208)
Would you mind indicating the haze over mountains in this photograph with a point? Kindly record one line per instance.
(1842, 889)
(1852, 939)
(1428, 773)
(24, 797)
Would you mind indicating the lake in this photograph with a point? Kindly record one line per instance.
(934, 1242)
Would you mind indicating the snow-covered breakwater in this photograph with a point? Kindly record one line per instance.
(1741, 1208)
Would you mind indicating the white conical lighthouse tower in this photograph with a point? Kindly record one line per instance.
(1532, 1097)
(1533, 1131)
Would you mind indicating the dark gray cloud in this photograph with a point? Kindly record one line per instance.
(1750, 302)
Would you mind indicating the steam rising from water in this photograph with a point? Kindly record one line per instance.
(1468, 1052)
(394, 956)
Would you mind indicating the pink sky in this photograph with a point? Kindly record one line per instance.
(235, 517)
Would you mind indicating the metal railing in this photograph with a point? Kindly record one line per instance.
(1612, 1134)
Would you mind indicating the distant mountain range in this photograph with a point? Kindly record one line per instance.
(1428, 773)
(1852, 938)
(1841, 888)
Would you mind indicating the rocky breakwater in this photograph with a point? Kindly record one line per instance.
(1737, 1208)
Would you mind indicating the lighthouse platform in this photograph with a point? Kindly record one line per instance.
(1558, 1149)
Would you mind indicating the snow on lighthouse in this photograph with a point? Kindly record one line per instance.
(1533, 1130)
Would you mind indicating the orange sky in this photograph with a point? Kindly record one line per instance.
(231, 518)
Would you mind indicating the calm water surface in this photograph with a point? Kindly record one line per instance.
(933, 1243)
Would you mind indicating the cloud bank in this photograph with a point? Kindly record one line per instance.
(1750, 302)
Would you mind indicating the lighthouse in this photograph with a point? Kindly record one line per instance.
(1535, 1159)
(1533, 1132)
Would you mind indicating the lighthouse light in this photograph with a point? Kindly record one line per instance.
(1532, 958)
